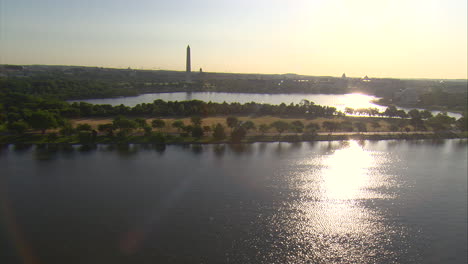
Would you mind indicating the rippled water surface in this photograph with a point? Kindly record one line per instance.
(335, 100)
(323, 202)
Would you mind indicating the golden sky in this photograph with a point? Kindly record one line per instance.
(379, 38)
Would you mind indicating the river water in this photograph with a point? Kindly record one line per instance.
(339, 101)
(322, 202)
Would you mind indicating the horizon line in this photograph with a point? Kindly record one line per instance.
(246, 73)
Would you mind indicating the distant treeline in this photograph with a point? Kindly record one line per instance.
(77, 87)
(440, 98)
(22, 104)
(63, 88)
(437, 98)
(69, 83)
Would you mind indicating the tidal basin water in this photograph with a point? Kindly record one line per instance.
(321, 202)
(339, 101)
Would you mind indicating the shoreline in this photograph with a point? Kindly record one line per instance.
(40, 139)
(431, 108)
(207, 91)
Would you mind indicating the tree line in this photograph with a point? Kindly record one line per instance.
(15, 106)
(65, 88)
(20, 112)
(138, 130)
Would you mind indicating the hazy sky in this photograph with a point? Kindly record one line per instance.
(379, 38)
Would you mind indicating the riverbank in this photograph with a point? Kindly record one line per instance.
(382, 102)
(271, 137)
(225, 129)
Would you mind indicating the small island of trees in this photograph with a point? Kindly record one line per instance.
(26, 118)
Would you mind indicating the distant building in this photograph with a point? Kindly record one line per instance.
(366, 79)
(343, 82)
(188, 69)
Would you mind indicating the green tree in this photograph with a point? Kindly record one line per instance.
(218, 132)
(391, 111)
(346, 126)
(440, 122)
(83, 127)
(52, 137)
(280, 126)
(124, 125)
(426, 114)
(375, 125)
(361, 126)
(158, 123)
(248, 125)
(313, 127)
(42, 120)
(373, 111)
(141, 122)
(187, 129)
(106, 128)
(232, 122)
(417, 123)
(462, 123)
(238, 134)
(393, 127)
(147, 131)
(330, 126)
(197, 132)
(157, 138)
(178, 124)
(349, 110)
(18, 127)
(402, 123)
(414, 113)
(13, 116)
(85, 137)
(297, 126)
(207, 129)
(196, 120)
(402, 114)
(67, 129)
(263, 128)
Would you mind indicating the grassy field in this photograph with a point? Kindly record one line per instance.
(384, 124)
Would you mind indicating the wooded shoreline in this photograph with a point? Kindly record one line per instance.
(290, 137)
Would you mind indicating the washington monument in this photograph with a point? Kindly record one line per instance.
(188, 69)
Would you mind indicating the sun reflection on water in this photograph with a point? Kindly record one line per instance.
(346, 173)
(357, 100)
(336, 218)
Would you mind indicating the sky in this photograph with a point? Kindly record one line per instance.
(378, 38)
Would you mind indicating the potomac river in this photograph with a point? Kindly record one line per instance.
(320, 202)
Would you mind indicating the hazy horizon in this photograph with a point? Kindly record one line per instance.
(247, 73)
(389, 39)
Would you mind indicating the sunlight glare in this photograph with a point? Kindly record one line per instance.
(357, 101)
(346, 174)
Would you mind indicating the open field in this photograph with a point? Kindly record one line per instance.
(383, 124)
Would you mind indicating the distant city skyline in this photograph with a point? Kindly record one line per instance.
(388, 38)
